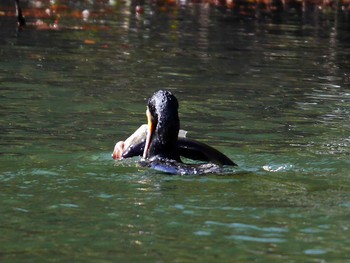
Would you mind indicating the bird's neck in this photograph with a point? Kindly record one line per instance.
(164, 142)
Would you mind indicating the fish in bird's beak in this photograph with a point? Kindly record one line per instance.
(123, 146)
(118, 150)
(151, 123)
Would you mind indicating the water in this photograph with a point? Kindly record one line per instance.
(274, 97)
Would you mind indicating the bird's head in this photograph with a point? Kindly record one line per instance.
(163, 126)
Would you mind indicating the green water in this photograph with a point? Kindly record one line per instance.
(274, 97)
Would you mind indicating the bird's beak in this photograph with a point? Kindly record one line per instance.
(150, 129)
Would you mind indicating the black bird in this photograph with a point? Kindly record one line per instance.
(162, 147)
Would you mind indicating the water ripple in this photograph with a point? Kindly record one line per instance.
(257, 239)
(66, 205)
(315, 251)
(246, 226)
(277, 167)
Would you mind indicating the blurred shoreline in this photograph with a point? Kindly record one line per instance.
(276, 10)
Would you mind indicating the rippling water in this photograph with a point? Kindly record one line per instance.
(274, 97)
